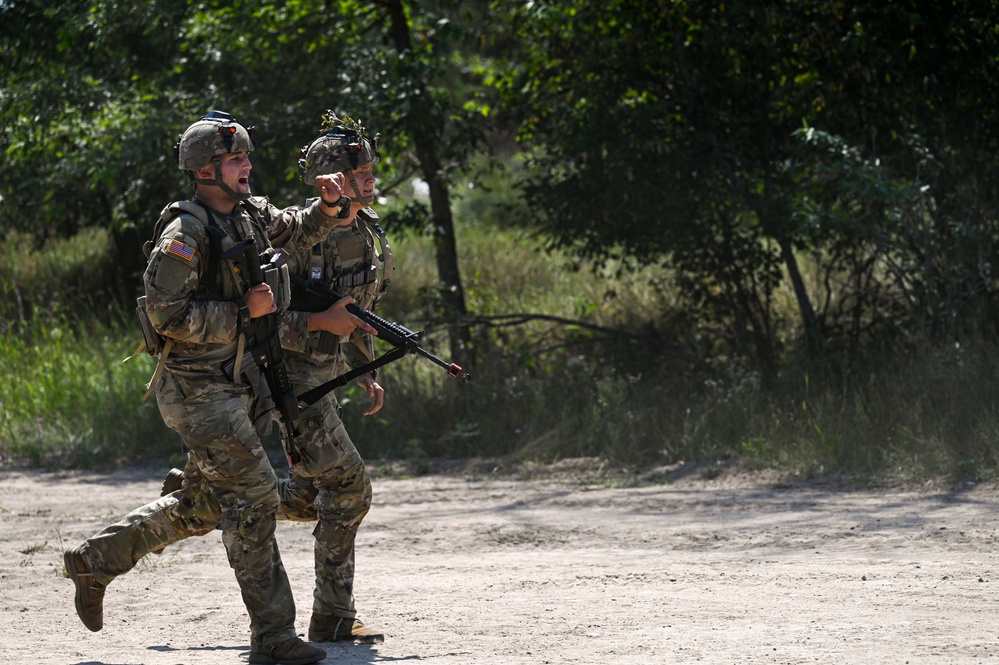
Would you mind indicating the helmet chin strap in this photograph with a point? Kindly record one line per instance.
(366, 200)
(217, 161)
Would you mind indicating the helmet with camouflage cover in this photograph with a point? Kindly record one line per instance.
(204, 143)
(342, 148)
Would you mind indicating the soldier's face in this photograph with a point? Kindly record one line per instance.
(236, 169)
(365, 182)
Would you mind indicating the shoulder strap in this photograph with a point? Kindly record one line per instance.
(203, 214)
(160, 365)
(370, 219)
(215, 235)
(166, 215)
(255, 207)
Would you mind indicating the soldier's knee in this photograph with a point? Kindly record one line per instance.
(248, 532)
(340, 512)
(199, 509)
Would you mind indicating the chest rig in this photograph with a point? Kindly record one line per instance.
(220, 275)
(346, 262)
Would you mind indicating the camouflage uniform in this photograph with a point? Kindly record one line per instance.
(333, 487)
(213, 413)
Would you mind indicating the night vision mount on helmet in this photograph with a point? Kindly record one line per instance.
(342, 149)
(204, 143)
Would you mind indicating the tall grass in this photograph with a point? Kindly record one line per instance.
(64, 276)
(68, 400)
(541, 390)
(913, 414)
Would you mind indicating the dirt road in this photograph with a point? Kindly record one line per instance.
(469, 568)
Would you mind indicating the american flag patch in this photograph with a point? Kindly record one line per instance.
(177, 248)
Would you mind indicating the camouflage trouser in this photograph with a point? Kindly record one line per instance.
(330, 486)
(238, 494)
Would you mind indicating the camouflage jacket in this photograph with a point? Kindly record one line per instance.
(180, 305)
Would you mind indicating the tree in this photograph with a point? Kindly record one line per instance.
(86, 93)
(405, 61)
(97, 92)
(670, 132)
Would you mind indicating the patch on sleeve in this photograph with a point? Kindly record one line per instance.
(177, 248)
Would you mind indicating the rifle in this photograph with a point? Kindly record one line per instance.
(263, 341)
(405, 341)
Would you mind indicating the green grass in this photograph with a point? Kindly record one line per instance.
(67, 399)
(541, 391)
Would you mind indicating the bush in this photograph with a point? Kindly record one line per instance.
(63, 277)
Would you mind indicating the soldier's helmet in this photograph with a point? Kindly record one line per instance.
(341, 149)
(212, 136)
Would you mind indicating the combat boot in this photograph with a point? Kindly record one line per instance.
(326, 628)
(89, 594)
(290, 652)
(174, 481)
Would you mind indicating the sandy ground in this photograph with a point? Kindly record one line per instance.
(469, 567)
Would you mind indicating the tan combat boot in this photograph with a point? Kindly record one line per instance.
(326, 628)
(89, 594)
(174, 481)
(290, 652)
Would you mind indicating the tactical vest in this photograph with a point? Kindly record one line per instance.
(346, 262)
(210, 285)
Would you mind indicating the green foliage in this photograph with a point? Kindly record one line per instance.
(549, 391)
(98, 96)
(757, 193)
(68, 401)
(690, 115)
(888, 257)
(63, 275)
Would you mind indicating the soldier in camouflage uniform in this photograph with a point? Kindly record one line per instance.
(336, 490)
(199, 305)
(331, 485)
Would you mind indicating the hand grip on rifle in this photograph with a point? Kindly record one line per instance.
(393, 333)
(263, 340)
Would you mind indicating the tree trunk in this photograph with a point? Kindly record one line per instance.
(809, 320)
(418, 124)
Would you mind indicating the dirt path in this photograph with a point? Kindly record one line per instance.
(460, 570)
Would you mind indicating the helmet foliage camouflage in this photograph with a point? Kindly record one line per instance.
(341, 149)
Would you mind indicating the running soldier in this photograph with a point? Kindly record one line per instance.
(331, 485)
(338, 493)
(199, 306)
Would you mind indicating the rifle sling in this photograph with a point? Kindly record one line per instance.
(312, 396)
